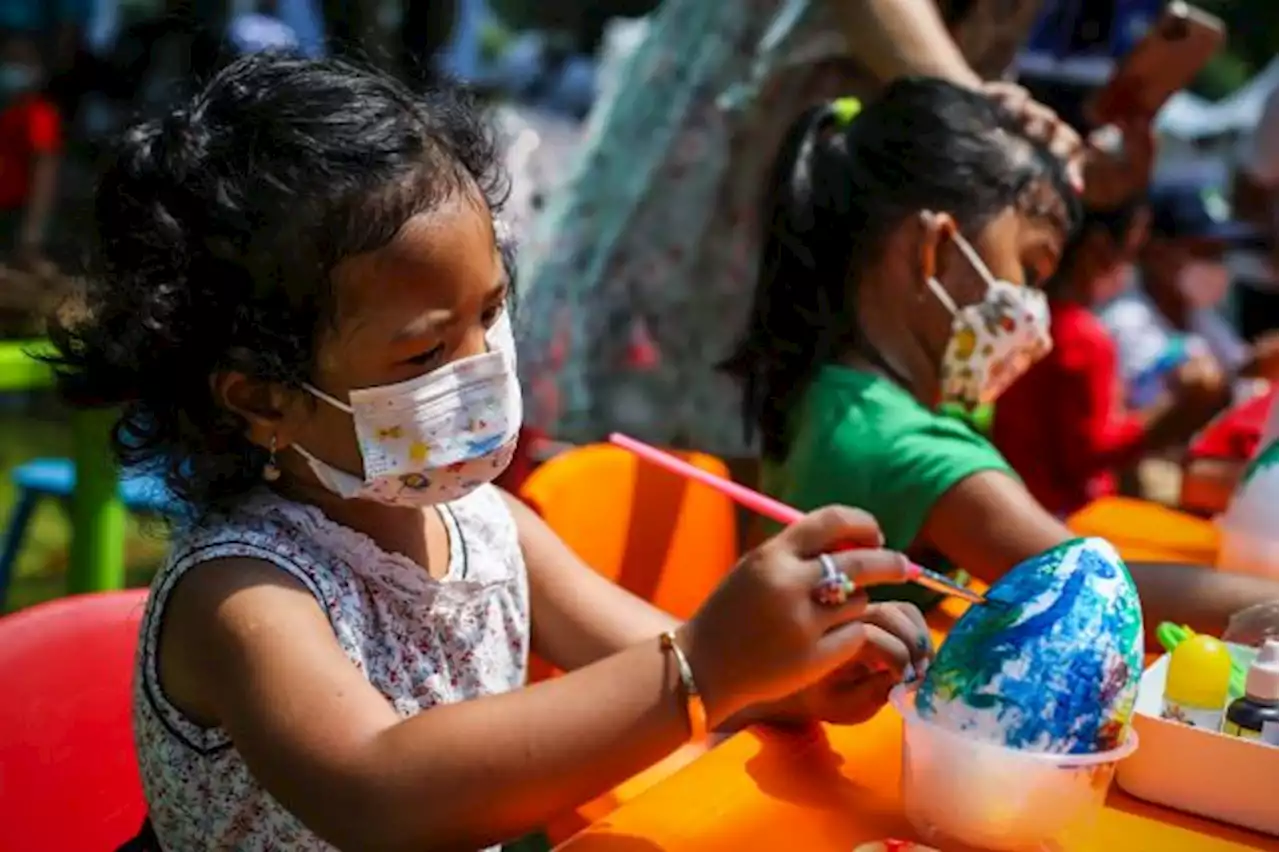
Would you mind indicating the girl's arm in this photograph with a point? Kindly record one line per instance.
(988, 523)
(896, 38)
(248, 646)
(579, 616)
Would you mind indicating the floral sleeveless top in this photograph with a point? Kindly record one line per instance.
(419, 641)
(637, 275)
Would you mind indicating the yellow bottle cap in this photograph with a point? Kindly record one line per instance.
(1199, 673)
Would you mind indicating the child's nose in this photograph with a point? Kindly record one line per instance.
(475, 342)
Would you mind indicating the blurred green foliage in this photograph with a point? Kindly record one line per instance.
(584, 20)
(1252, 27)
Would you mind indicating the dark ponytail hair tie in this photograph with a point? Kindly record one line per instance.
(832, 121)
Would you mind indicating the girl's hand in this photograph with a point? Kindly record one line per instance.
(761, 636)
(898, 648)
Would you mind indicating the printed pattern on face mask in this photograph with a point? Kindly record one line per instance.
(993, 342)
(437, 437)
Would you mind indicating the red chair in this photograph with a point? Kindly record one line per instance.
(68, 776)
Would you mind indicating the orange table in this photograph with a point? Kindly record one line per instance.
(831, 789)
(1144, 531)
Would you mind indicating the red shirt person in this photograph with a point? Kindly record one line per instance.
(1064, 426)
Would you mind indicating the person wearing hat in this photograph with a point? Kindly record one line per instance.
(1176, 310)
(1146, 375)
(1067, 427)
(1186, 278)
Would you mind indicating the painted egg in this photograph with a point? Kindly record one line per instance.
(1052, 664)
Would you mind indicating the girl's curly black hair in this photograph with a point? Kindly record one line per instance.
(218, 228)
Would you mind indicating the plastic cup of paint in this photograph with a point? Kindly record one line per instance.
(958, 791)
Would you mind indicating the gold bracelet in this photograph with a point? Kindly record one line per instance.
(695, 711)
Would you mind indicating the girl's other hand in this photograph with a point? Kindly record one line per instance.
(898, 648)
(761, 636)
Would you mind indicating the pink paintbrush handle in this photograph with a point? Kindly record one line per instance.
(761, 504)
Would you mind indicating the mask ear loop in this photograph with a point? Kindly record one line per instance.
(978, 264)
(931, 279)
(321, 395)
(975, 261)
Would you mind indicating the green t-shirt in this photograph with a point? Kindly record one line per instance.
(861, 440)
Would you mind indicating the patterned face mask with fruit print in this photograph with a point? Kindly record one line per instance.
(994, 340)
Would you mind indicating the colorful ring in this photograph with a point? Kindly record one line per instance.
(833, 588)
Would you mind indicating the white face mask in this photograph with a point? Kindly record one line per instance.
(1204, 283)
(435, 438)
(993, 341)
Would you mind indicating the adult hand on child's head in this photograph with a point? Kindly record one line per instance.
(761, 636)
(1043, 125)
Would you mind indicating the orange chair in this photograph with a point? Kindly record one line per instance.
(655, 534)
(68, 776)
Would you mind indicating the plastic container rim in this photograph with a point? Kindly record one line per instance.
(903, 700)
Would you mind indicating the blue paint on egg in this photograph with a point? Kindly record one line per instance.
(1054, 666)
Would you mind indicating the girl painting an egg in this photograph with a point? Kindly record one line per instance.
(334, 655)
(901, 270)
